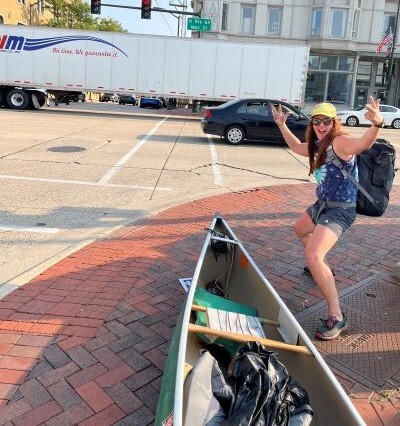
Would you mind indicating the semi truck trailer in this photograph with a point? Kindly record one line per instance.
(36, 61)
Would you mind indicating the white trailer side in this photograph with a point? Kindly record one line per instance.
(36, 59)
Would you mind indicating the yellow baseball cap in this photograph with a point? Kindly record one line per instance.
(326, 109)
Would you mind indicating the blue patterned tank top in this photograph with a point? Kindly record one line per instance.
(332, 185)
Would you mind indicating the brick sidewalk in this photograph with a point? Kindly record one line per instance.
(86, 341)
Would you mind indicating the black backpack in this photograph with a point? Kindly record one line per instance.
(375, 173)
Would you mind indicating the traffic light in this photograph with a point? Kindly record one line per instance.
(95, 7)
(146, 9)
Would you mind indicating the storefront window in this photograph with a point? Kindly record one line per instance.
(346, 64)
(364, 74)
(339, 86)
(329, 62)
(314, 62)
(379, 79)
(315, 88)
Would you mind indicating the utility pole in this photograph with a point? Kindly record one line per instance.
(181, 17)
(390, 97)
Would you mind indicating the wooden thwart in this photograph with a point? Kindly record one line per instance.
(243, 338)
(199, 308)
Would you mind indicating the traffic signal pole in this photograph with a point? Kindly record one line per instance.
(154, 9)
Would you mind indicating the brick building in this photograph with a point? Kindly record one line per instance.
(342, 34)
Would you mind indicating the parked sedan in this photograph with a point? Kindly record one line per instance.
(150, 102)
(126, 99)
(251, 119)
(390, 114)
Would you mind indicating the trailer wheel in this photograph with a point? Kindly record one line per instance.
(18, 99)
(234, 135)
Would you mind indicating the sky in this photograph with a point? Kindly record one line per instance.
(159, 24)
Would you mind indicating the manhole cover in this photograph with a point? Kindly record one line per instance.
(66, 149)
(369, 348)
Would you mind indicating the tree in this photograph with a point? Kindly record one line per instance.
(76, 14)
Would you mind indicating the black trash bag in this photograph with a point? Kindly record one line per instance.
(264, 393)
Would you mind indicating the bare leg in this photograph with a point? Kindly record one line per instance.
(304, 228)
(318, 245)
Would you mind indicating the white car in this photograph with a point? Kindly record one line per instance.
(390, 114)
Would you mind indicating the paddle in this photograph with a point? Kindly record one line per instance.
(243, 338)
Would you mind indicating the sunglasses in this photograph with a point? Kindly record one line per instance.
(324, 121)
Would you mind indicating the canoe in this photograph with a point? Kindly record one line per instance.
(223, 255)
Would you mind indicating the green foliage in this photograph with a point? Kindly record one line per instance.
(76, 14)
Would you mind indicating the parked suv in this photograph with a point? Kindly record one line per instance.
(72, 97)
(127, 99)
(108, 97)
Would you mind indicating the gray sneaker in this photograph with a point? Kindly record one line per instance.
(331, 328)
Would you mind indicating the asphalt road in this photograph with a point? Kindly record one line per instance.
(71, 174)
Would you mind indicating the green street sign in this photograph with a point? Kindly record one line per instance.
(199, 24)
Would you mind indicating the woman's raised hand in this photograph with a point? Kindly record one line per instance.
(279, 116)
(373, 114)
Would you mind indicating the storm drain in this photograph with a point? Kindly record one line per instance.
(66, 149)
(369, 349)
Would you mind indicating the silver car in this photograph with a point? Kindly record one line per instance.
(390, 114)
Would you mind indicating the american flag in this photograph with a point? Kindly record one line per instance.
(388, 39)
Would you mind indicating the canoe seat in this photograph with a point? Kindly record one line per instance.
(253, 332)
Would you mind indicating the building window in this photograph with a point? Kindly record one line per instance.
(364, 74)
(248, 14)
(380, 75)
(315, 87)
(329, 62)
(224, 21)
(1, 20)
(339, 87)
(337, 28)
(274, 21)
(40, 6)
(346, 63)
(314, 62)
(22, 1)
(356, 20)
(316, 19)
(389, 23)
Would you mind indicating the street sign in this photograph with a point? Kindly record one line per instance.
(199, 24)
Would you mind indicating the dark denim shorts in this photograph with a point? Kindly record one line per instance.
(337, 219)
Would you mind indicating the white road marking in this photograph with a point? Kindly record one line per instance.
(80, 182)
(38, 229)
(215, 166)
(127, 156)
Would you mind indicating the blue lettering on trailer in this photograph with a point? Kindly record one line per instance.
(17, 43)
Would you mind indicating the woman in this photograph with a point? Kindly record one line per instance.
(323, 223)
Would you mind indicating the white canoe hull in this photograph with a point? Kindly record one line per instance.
(247, 285)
